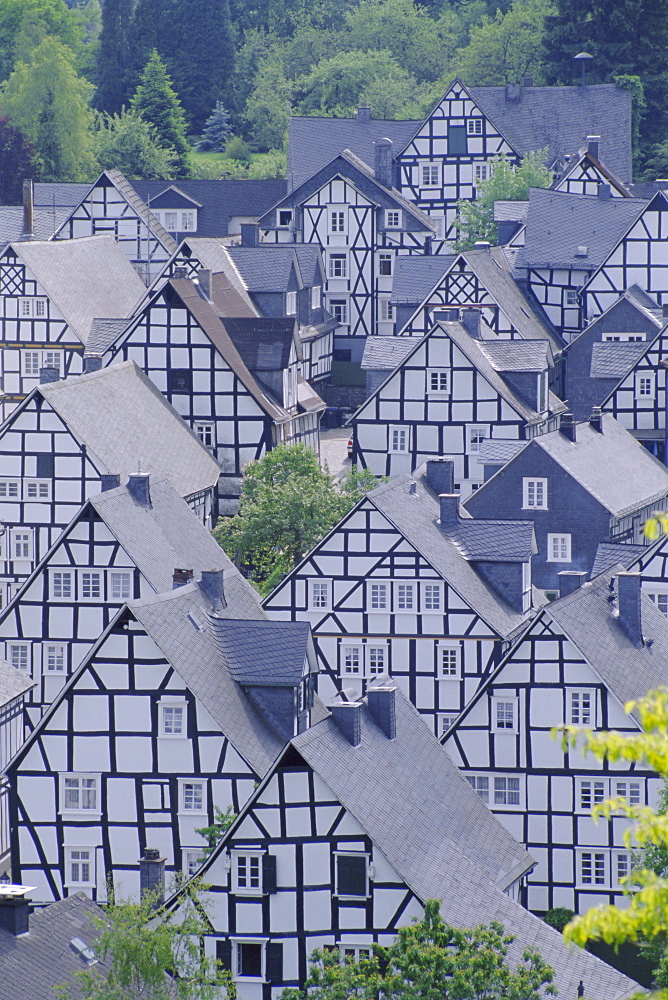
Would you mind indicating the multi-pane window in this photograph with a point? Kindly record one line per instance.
(80, 867)
(192, 796)
(476, 436)
(392, 218)
(91, 584)
(62, 583)
(9, 489)
(474, 126)
(385, 265)
(338, 265)
(660, 599)
(352, 660)
(593, 868)
(558, 548)
(444, 723)
(120, 586)
(404, 597)
(320, 594)
(438, 380)
(379, 597)
(431, 597)
(480, 783)
(624, 789)
(603, 868)
(581, 707)
(448, 661)
(572, 297)
(291, 303)
(247, 873)
(621, 866)
(206, 432)
(337, 221)
(375, 656)
(534, 493)
(506, 791)
(504, 715)
(339, 310)
(79, 793)
(51, 359)
(18, 655)
(480, 172)
(386, 310)
(592, 793)
(399, 437)
(54, 658)
(431, 174)
(352, 873)
(31, 362)
(191, 861)
(34, 308)
(35, 489)
(172, 720)
(645, 386)
(21, 547)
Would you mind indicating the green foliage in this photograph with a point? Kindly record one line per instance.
(112, 66)
(475, 219)
(335, 86)
(269, 105)
(287, 505)
(238, 150)
(199, 52)
(656, 525)
(504, 47)
(140, 950)
(17, 160)
(48, 102)
(558, 917)
(132, 145)
(222, 821)
(26, 21)
(431, 961)
(216, 131)
(157, 102)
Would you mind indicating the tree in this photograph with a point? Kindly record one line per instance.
(200, 55)
(645, 919)
(132, 145)
(216, 131)
(431, 960)
(505, 47)
(157, 102)
(269, 105)
(112, 67)
(336, 85)
(149, 957)
(222, 821)
(18, 160)
(475, 219)
(48, 103)
(25, 17)
(287, 505)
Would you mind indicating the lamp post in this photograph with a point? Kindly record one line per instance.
(583, 58)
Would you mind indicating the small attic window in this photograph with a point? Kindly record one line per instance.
(284, 218)
(582, 251)
(83, 951)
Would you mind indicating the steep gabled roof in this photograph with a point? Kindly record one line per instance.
(588, 159)
(249, 647)
(611, 554)
(13, 683)
(84, 278)
(612, 359)
(517, 355)
(386, 353)
(417, 275)
(658, 202)
(267, 267)
(123, 419)
(217, 201)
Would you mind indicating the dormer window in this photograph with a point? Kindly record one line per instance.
(177, 220)
(284, 218)
(392, 218)
(291, 303)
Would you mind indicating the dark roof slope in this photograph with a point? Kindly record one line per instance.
(13, 683)
(220, 200)
(267, 267)
(266, 652)
(610, 554)
(263, 343)
(416, 275)
(610, 359)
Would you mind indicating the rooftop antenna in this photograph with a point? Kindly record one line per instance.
(583, 58)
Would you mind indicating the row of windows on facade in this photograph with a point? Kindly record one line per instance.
(509, 790)
(579, 710)
(399, 597)
(369, 658)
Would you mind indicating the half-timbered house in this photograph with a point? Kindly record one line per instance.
(50, 294)
(567, 237)
(235, 381)
(584, 174)
(14, 688)
(578, 662)
(404, 585)
(569, 484)
(452, 390)
(184, 702)
(127, 542)
(57, 444)
(335, 850)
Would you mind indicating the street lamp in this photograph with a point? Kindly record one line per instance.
(583, 58)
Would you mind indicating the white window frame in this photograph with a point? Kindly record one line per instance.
(80, 810)
(430, 589)
(584, 717)
(371, 650)
(206, 429)
(642, 392)
(658, 594)
(352, 659)
(496, 702)
(183, 785)
(370, 597)
(19, 654)
(316, 296)
(339, 308)
(399, 439)
(62, 655)
(352, 950)
(400, 598)
(29, 534)
(430, 175)
(338, 261)
(385, 258)
(608, 867)
(571, 298)
(71, 850)
(480, 784)
(559, 547)
(111, 584)
(236, 945)
(191, 860)
(500, 792)
(393, 218)
(315, 593)
(534, 484)
(592, 789)
(251, 854)
(57, 578)
(32, 307)
(10, 489)
(445, 720)
(288, 221)
(385, 309)
(474, 438)
(338, 221)
(474, 125)
(166, 706)
(42, 488)
(448, 666)
(27, 368)
(85, 581)
(438, 381)
(51, 359)
(291, 303)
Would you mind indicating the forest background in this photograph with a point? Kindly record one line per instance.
(72, 73)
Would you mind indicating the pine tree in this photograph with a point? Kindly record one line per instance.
(112, 65)
(157, 102)
(201, 34)
(216, 131)
(18, 160)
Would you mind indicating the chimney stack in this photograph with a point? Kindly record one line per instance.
(204, 278)
(382, 161)
(592, 145)
(47, 375)
(567, 426)
(629, 606)
(596, 419)
(92, 364)
(603, 191)
(14, 909)
(441, 475)
(109, 481)
(348, 718)
(427, 246)
(449, 503)
(28, 211)
(181, 577)
(471, 320)
(528, 80)
(364, 113)
(381, 700)
(570, 580)
(250, 234)
(152, 875)
(212, 585)
(139, 488)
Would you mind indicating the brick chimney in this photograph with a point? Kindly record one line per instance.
(381, 700)
(92, 364)
(152, 875)
(471, 320)
(570, 580)
(28, 211)
(250, 234)
(382, 161)
(109, 481)
(47, 375)
(14, 909)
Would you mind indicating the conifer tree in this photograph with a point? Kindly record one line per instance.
(201, 33)
(18, 160)
(112, 64)
(157, 102)
(216, 131)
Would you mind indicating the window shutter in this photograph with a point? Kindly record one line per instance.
(274, 967)
(45, 466)
(269, 873)
(224, 954)
(457, 143)
(351, 875)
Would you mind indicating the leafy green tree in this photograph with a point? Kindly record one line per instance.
(18, 159)
(503, 48)
(288, 503)
(645, 918)
(269, 105)
(157, 102)
(222, 821)
(336, 85)
(132, 145)
(48, 102)
(216, 131)
(238, 150)
(21, 19)
(558, 917)
(431, 961)
(475, 219)
(149, 957)
(112, 66)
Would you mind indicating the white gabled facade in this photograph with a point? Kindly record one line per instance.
(639, 401)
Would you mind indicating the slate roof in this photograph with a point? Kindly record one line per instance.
(313, 142)
(123, 419)
(561, 118)
(595, 461)
(221, 200)
(585, 158)
(85, 278)
(511, 211)
(498, 451)
(33, 964)
(613, 359)
(264, 343)
(103, 333)
(59, 194)
(13, 683)
(559, 223)
(45, 223)
(502, 541)
(517, 355)
(611, 554)
(386, 353)
(263, 652)
(267, 268)
(416, 275)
